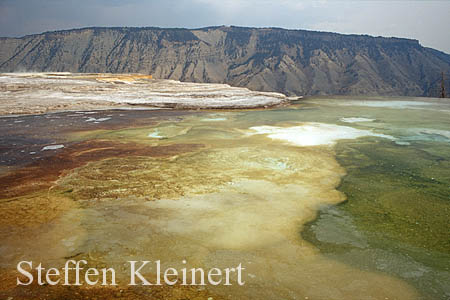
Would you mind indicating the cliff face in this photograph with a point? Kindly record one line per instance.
(289, 61)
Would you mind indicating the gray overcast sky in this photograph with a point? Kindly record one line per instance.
(427, 21)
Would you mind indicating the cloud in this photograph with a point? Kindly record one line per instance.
(427, 21)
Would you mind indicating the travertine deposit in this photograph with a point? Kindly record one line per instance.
(24, 93)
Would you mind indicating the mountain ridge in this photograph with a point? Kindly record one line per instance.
(290, 61)
(224, 27)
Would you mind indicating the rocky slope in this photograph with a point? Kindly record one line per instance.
(270, 59)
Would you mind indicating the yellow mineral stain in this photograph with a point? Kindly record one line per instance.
(240, 199)
(234, 202)
(121, 78)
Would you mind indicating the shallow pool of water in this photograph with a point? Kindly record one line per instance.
(327, 199)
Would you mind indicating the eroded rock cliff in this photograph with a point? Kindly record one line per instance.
(269, 59)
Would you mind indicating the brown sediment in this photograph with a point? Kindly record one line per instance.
(9, 290)
(26, 212)
(140, 177)
(43, 172)
(36, 219)
(130, 78)
(11, 108)
(36, 224)
(109, 126)
(126, 119)
(187, 106)
(30, 210)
